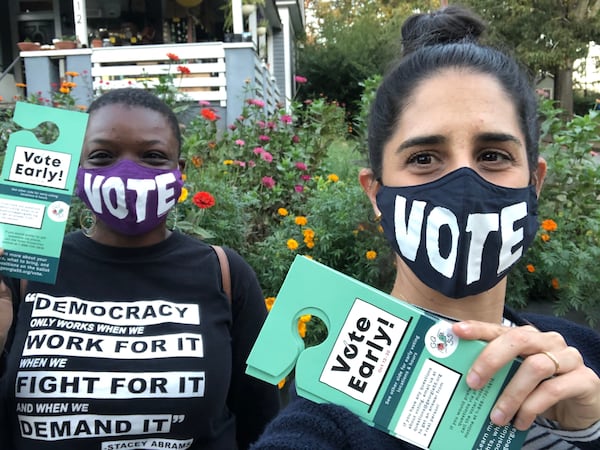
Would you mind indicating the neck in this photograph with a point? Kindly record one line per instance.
(486, 307)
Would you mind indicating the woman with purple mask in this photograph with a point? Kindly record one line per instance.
(455, 175)
(138, 344)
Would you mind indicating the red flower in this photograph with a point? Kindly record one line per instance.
(208, 114)
(173, 56)
(184, 70)
(203, 200)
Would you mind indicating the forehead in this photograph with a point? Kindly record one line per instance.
(457, 100)
(123, 123)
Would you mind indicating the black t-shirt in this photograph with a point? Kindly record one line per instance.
(136, 348)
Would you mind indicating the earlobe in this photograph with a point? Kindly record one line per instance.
(370, 185)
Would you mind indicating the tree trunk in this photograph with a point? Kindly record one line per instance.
(563, 90)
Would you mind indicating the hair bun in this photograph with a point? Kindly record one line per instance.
(447, 25)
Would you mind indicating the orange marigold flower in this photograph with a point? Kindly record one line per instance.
(228, 162)
(308, 256)
(269, 302)
(333, 178)
(172, 56)
(300, 220)
(292, 244)
(555, 283)
(282, 212)
(309, 244)
(549, 225)
(371, 255)
(71, 73)
(545, 237)
(197, 161)
(281, 384)
(184, 176)
(64, 90)
(530, 268)
(183, 195)
(81, 107)
(308, 233)
(302, 329)
(305, 318)
(21, 85)
(203, 200)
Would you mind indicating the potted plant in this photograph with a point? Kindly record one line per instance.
(28, 46)
(249, 6)
(66, 42)
(262, 26)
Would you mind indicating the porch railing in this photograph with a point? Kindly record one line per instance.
(204, 64)
(219, 72)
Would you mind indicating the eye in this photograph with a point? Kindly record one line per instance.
(495, 159)
(100, 157)
(420, 159)
(155, 157)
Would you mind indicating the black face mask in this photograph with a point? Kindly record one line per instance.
(460, 234)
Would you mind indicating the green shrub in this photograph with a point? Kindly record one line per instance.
(562, 264)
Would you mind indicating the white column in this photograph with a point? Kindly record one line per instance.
(236, 14)
(80, 19)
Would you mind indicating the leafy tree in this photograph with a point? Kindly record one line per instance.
(351, 41)
(546, 35)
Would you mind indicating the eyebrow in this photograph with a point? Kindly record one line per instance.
(439, 139)
(105, 141)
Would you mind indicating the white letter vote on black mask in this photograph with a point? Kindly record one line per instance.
(459, 234)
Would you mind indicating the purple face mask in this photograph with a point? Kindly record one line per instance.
(131, 199)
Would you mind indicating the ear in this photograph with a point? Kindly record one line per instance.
(539, 175)
(370, 185)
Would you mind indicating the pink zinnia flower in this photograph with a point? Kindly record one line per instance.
(240, 142)
(203, 103)
(268, 182)
(295, 139)
(251, 163)
(267, 156)
(258, 150)
(305, 177)
(300, 79)
(256, 102)
(300, 166)
(239, 163)
(299, 188)
(264, 138)
(286, 118)
(232, 127)
(261, 123)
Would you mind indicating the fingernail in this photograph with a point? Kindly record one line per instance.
(461, 326)
(498, 417)
(473, 380)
